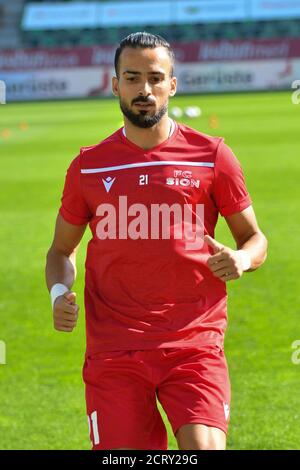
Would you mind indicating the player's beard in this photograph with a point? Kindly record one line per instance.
(143, 118)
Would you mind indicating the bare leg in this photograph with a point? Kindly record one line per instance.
(200, 437)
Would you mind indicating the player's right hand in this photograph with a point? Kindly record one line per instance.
(65, 312)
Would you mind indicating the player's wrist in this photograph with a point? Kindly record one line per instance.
(57, 290)
(245, 259)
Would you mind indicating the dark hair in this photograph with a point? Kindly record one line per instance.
(143, 40)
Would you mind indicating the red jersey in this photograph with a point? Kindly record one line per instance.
(148, 291)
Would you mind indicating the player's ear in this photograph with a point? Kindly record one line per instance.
(173, 87)
(115, 86)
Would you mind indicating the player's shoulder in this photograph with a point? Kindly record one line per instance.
(195, 137)
(105, 144)
(89, 155)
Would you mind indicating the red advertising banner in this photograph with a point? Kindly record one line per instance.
(200, 51)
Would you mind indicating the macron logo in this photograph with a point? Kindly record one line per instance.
(226, 410)
(108, 182)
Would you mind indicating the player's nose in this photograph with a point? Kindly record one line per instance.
(145, 88)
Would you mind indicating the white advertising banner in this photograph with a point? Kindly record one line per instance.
(237, 76)
(60, 15)
(274, 9)
(84, 82)
(136, 13)
(58, 83)
(197, 11)
(93, 14)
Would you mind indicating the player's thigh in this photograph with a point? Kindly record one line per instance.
(121, 403)
(196, 395)
(200, 437)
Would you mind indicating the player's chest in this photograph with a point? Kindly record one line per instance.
(149, 181)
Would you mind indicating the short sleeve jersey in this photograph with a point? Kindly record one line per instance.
(144, 289)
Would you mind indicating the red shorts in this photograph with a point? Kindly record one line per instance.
(122, 388)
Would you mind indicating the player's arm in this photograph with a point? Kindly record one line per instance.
(251, 243)
(248, 236)
(61, 269)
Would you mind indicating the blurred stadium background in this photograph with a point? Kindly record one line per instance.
(66, 49)
(54, 58)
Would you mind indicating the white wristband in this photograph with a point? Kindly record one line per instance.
(245, 258)
(57, 290)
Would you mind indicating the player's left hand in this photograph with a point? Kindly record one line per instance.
(225, 263)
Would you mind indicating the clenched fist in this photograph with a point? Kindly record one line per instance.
(225, 263)
(65, 312)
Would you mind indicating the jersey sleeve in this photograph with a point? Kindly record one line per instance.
(230, 191)
(74, 208)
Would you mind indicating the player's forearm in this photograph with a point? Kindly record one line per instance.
(256, 246)
(60, 268)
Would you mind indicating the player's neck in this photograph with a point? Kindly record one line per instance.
(150, 137)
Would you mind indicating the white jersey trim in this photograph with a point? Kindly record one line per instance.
(146, 164)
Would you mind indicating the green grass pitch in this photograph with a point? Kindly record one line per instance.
(41, 392)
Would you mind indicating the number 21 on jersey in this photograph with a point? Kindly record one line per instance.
(143, 179)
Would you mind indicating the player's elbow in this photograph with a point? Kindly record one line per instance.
(264, 242)
(52, 254)
(261, 251)
(58, 250)
(266, 249)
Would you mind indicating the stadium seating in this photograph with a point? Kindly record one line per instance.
(10, 18)
(180, 33)
(11, 34)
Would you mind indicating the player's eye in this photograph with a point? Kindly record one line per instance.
(157, 80)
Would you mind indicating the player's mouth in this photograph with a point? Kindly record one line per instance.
(143, 105)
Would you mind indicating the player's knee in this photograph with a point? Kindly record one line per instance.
(200, 437)
(211, 445)
(202, 444)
